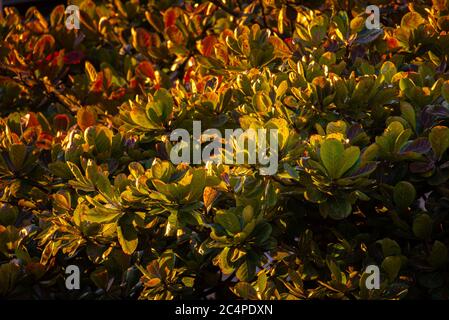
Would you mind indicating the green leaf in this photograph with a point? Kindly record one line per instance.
(245, 291)
(350, 157)
(439, 139)
(247, 270)
(388, 70)
(404, 194)
(99, 215)
(389, 247)
(336, 208)
(438, 255)
(391, 265)
(8, 214)
(141, 119)
(163, 104)
(17, 154)
(331, 153)
(337, 127)
(127, 237)
(412, 20)
(229, 221)
(262, 102)
(408, 113)
(422, 226)
(445, 91)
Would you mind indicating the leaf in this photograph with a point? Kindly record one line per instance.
(392, 265)
(43, 46)
(209, 196)
(412, 20)
(247, 270)
(127, 237)
(420, 145)
(90, 70)
(17, 154)
(422, 226)
(350, 157)
(439, 140)
(281, 126)
(331, 153)
(404, 194)
(162, 170)
(207, 45)
(86, 117)
(229, 221)
(8, 214)
(337, 127)
(390, 247)
(388, 70)
(245, 291)
(153, 282)
(140, 118)
(335, 208)
(57, 16)
(98, 215)
(438, 255)
(445, 91)
(142, 39)
(145, 69)
(163, 104)
(408, 113)
(262, 102)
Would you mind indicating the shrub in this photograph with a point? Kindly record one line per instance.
(362, 118)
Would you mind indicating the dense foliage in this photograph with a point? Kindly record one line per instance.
(86, 180)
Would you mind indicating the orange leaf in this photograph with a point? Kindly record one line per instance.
(207, 45)
(145, 70)
(61, 122)
(86, 117)
(44, 45)
(97, 85)
(209, 196)
(170, 17)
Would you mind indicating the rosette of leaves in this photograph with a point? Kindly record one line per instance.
(335, 175)
(174, 192)
(95, 142)
(395, 144)
(252, 45)
(435, 166)
(166, 278)
(243, 237)
(151, 119)
(103, 205)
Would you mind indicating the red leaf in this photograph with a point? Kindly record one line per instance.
(207, 45)
(174, 34)
(145, 70)
(97, 85)
(31, 120)
(44, 45)
(170, 17)
(61, 122)
(44, 141)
